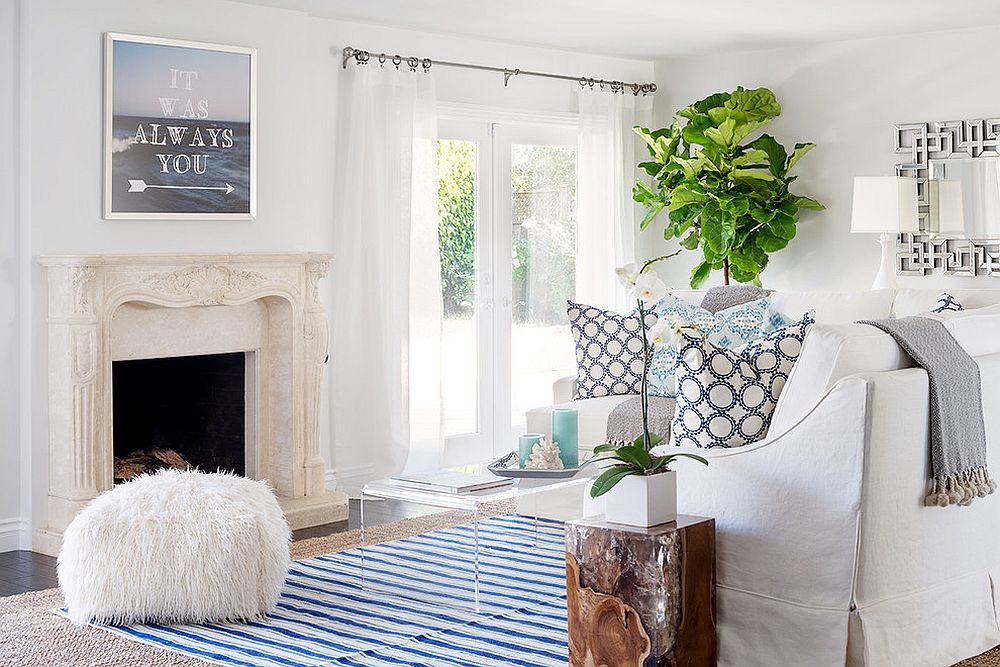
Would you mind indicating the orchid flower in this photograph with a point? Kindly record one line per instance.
(627, 275)
(649, 288)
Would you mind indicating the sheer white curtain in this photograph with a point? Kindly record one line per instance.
(607, 222)
(387, 310)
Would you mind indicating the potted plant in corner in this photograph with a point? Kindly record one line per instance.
(640, 486)
(727, 196)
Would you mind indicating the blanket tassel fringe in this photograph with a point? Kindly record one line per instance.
(960, 488)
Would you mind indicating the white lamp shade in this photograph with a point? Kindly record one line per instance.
(884, 205)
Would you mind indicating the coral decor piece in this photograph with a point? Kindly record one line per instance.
(544, 456)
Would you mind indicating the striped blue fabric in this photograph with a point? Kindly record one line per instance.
(414, 610)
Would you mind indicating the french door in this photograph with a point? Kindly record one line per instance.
(507, 204)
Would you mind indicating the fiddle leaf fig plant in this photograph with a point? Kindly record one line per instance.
(720, 192)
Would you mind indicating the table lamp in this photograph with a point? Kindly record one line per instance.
(885, 205)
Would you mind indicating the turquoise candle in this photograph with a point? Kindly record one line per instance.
(524, 444)
(565, 432)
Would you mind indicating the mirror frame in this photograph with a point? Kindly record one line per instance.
(923, 254)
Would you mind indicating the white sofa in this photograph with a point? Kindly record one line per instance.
(826, 555)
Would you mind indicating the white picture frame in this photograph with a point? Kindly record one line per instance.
(180, 135)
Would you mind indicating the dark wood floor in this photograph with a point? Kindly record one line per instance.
(25, 571)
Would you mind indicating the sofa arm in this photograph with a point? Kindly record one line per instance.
(564, 390)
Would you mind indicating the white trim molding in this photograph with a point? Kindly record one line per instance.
(349, 478)
(15, 535)
(478, 112)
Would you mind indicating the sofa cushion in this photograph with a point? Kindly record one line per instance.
(725, 398)
(976, 330)
(728, 296)
(916, 301)
(729, 328)
(837, 307)
(608, 351)
(832, 352)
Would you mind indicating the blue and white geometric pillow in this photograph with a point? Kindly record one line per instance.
(608, 350)
(948, 303)
(729, 328)
(725, 398)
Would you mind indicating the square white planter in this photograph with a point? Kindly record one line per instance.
(643, 501)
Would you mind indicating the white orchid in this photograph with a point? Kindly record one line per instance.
(659, 333)
(627, 275)
(649, 288)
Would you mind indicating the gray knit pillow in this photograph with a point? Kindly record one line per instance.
(727, 296)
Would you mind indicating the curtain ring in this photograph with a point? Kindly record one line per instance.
(397, 60)
(426, 63)
(413, 62)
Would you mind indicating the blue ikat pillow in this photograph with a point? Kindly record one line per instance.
(729, 328)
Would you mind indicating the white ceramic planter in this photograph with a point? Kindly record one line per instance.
(643, 501)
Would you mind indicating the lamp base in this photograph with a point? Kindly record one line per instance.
(886, 277)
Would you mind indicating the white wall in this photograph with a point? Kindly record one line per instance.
(846, 97)
(299, 64)
(9, 441)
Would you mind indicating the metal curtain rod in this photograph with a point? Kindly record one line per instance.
(363, 57)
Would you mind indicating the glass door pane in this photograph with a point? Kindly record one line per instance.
(465, 242)
(457, 236)
(539, 220)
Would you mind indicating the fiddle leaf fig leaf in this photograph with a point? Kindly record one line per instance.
(800, 150)
(651, 213)
(752, 156)
(757, 103)
(811, 204)
(751, 174)
(769, 242)
(684, 195)
(700, 274)
(691, 241)
(776, 155)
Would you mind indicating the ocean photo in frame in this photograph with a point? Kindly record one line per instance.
(179, 130)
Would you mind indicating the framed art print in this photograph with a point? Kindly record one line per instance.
(179, 130)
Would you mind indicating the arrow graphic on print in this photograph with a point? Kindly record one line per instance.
(141, 186)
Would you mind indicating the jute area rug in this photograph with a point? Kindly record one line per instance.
(32, 636)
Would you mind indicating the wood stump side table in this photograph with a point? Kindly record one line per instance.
(639, 597)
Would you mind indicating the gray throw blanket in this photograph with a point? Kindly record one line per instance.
(958, 435)
(625, 421)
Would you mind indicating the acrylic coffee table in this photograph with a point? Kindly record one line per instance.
(473, 503)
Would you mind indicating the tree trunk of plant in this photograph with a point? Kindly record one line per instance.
(725, 271)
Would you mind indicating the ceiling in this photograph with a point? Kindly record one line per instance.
(650, 29)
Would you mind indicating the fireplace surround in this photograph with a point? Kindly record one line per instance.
(106, 308)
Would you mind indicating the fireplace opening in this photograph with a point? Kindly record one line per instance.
(180, 412)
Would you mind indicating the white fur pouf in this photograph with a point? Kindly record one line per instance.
(176, 547)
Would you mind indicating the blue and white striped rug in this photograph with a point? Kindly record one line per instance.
(325, 618)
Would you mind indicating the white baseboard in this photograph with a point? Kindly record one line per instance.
(348, 477)
(14, 535)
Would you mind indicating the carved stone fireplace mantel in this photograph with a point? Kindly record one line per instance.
(104, 308)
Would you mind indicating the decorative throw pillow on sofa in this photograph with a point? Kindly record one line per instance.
(726, 296)
(947, 303)
(729, 328)
(608, 350)
(725, 398)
